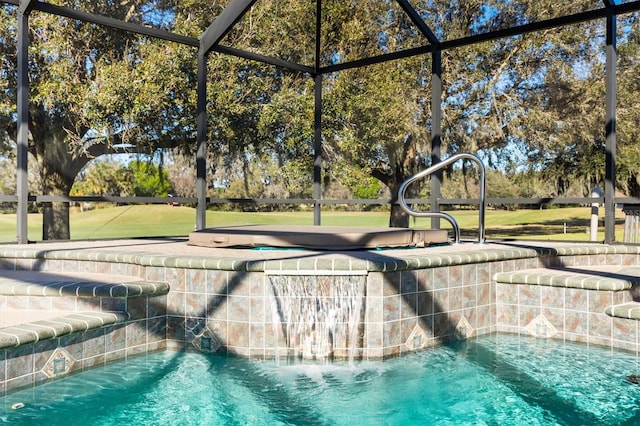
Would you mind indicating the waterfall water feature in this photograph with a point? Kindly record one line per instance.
(318, 317)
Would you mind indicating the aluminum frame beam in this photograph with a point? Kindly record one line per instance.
(201, 153)
(489, 36)
(610, 129)
(265, 59)
(317, 149)
(418, 21)
(229, 16)
(25, 7)
(22, 139)
(233, 13)
(115, 23)
(318, 160)
(436, 132)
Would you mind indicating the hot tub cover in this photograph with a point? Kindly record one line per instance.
(316, 237)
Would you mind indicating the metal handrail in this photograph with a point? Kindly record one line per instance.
(442, 215)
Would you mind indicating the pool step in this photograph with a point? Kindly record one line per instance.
(25, 316)
(61, 284)
(56, 326)
(629, 310)
(603, 278)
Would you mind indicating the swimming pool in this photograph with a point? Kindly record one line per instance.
(495, 379)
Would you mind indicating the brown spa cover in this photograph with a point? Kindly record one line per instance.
(316, 237)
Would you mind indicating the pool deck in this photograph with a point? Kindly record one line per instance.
(178, 246)
(177, 251)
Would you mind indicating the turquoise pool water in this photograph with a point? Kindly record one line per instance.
(493, 380)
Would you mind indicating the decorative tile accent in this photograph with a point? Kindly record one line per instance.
(464, 330)
(541, 327)
(59, 364)
(207, 341)
(417, 339)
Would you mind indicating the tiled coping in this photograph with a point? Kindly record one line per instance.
(595, 278)
(307, 260)
(35, 283)
(630, 310)
(36, 331)
(65, 284)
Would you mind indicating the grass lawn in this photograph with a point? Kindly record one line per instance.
(163, 220)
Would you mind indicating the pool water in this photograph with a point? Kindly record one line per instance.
(497, 379)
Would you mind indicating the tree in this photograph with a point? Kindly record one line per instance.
(380, 115)
(564, 124)
(104, 178)
(182, 174)
(501, 97)
(628, 109)
(260, 117)
(149, 180)
(376, 117)
(109, 177)
(95, 91)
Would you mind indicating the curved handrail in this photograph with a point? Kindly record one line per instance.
(446, 216)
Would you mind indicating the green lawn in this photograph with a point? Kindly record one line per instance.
(164, 220)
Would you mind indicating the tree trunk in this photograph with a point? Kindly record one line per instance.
(633, 187)
(55, 215)
(58, 170)
(398, 218)
(55, 221)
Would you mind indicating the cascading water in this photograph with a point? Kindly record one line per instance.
(319, 317)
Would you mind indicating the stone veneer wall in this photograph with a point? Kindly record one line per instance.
(417, 304)
(403, 311)
(411, 303)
